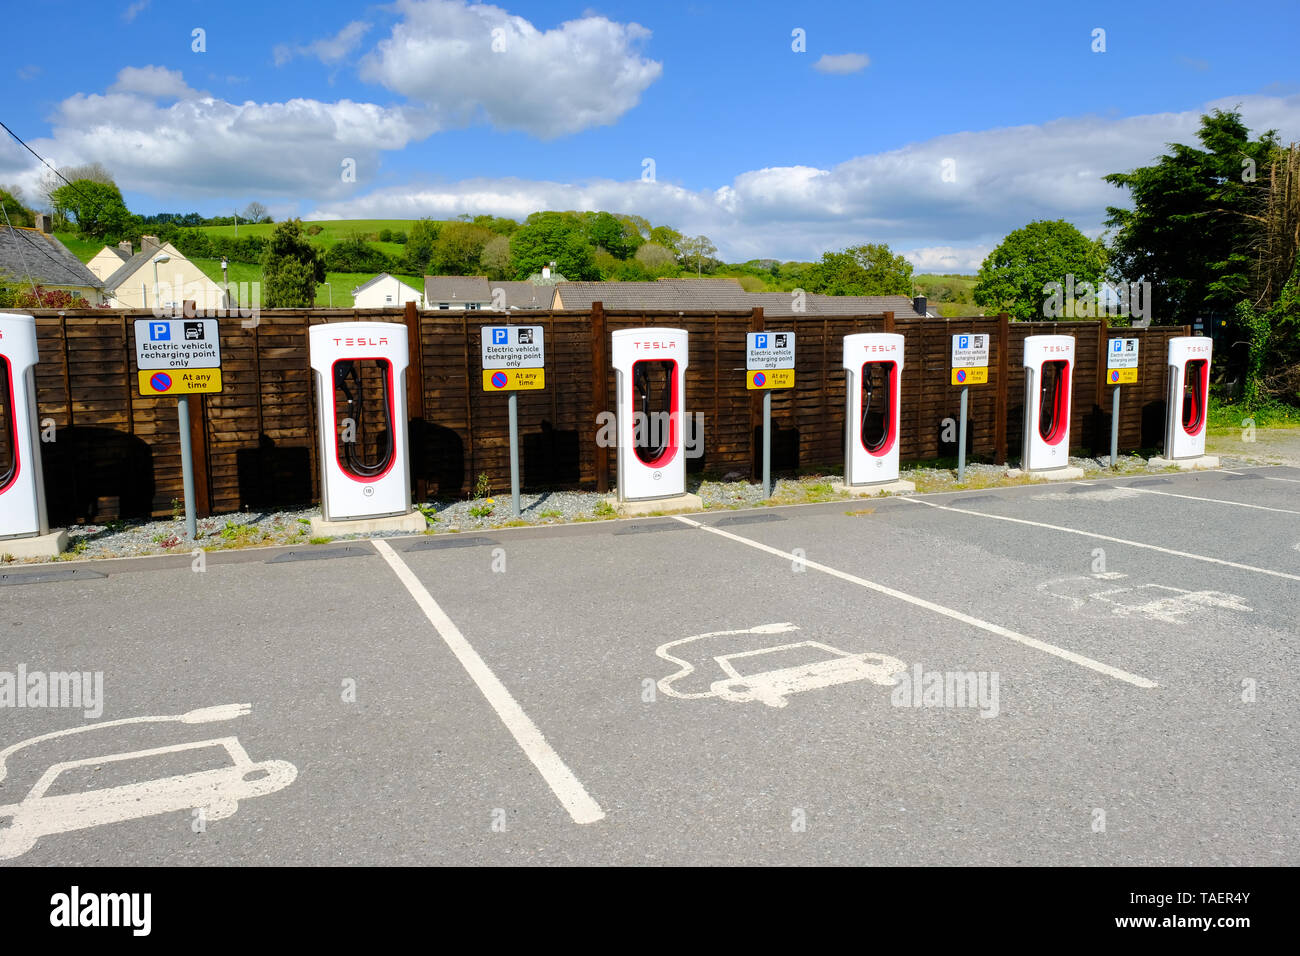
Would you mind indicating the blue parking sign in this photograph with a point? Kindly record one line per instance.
(500, 336)
(760, 342)
(963, 342)
(160, 331)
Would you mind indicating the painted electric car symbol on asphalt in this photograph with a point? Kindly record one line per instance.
(807, 665)
(216, 791)
(499, 379)
(160, 381)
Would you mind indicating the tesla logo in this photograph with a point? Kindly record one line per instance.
(655, 345)
(382, 340)
(880, 348)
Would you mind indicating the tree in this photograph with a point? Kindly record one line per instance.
(255, 212)
(97, 208)
(616, 236)
(52, 180)
(1013, 276)
(656, 260)
(419, 245)
(496, 257)
(458, 249)
(12, 206)
(354, 254)
(1189, 232)
(292, 268)
(871, 269)
(696, 249)
(667, 237)
(548, 237)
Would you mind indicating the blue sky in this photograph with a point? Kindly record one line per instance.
(934, 127)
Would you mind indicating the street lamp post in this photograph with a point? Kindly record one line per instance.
(162, 257)
(331, 293)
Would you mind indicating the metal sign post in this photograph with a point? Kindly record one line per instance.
(1121, 369)
(769, 364)
(970, 366)
(190, 352)
(514, 359)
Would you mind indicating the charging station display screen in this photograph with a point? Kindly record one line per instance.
(8, 436)
(654, 405)
(876, 430)
(1196, 376)
(1054, 401)
(363, 417)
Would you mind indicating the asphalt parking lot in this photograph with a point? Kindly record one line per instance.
(1082, 673)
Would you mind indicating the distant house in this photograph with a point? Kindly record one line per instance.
(385, 292)
(696, 295)
(109, 259)
(457, 292)
(31, 257)
(477, 292)
(131, 285)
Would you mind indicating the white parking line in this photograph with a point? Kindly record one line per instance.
(997, 629)
(1105, 537)
(563, 783)
(1217, 501)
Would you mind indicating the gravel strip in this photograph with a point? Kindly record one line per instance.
(248, 529)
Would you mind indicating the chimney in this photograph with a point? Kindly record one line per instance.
(546, 272)
(125, 246)
(42, 223)
(149, 242)
(918, 305)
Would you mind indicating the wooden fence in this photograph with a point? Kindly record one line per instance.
(117, 453)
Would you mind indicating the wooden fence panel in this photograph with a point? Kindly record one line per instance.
(117, 453)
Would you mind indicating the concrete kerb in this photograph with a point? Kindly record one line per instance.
(1203, 463)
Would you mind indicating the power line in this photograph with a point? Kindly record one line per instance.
(24, 145)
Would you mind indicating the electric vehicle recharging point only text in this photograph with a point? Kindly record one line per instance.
(651, 366)
(873, 364)
(1049, 374)
(360, 373)
(1187, 404)
(24, 530)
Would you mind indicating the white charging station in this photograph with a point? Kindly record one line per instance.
(1049, 373)
(365, 474)
(651, 366)
(23, 524)
(873, 364)
(1187, 407)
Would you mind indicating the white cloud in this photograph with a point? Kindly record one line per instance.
(202, 146)
(1003, 178)
(134, 10)
(155, 82)
(329, 50)
(842, 63)
(469, 63)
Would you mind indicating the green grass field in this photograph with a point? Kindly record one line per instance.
(332, 231)
(338, 292)
(83, 249)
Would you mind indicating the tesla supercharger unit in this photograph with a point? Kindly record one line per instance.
(364, 470)
(1189, 388)
(1049, 370)
(22, 490)
(873, 362)
(651, 366)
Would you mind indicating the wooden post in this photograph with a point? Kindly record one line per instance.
(1103, 351)
(199, 442)
(415, 385)
(1000, 406)
(889, 322)
(599, 388)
